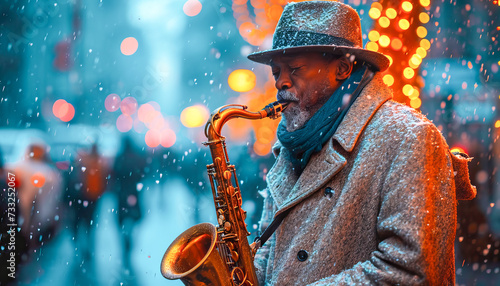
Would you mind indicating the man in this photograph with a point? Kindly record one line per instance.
(366, 186)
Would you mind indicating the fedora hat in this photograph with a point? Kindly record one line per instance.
(320, 26)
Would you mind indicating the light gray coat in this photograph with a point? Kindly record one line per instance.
(391, 216)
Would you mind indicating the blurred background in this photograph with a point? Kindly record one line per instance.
(103, 104)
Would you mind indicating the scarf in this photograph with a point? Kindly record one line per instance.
(311, 137)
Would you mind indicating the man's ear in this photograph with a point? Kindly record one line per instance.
(344, 68)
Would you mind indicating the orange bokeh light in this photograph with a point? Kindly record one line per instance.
(396, 44)
(38, 180)
(261, 149)
(415, 103)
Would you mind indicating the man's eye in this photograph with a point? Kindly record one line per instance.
(276, 73)
(295, 69)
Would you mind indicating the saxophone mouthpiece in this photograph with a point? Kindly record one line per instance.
(274, 110)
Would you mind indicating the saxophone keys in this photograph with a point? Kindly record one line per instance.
(227, 175)
(235, 255)
(227, 226)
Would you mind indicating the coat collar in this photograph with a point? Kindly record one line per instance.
(287, 189)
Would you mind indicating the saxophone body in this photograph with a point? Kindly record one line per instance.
(206, 254)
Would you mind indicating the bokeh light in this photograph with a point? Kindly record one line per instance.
(424, 43)
(396, 44)
(408, 73)
(38, 180)
(112, 102)
(423, 17)
(407, 6)
(374, 13)
(415, 103)
(261, 149)
(421, 52)
(373, 36)
(146, 113)
(425, 3)
(129, 46)
(384, 41)
(371, 46)
(153, 138)
(408, 89)
(194, 116)
(128, 105)
(192, 8)
(384, 22)
(421, 32)
(497, 124)
(60, 108)
(388, 79)
(70, 113)
(157, 122)
(391, 13)
(242, 80)
(124, 123)
(415, 61)
(168, 138)
(404, 24)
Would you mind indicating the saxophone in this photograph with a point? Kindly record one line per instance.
(206, 254)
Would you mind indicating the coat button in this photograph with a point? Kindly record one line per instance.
(329, 192)
(302, 255)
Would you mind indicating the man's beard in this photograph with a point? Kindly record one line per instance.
(293, 117)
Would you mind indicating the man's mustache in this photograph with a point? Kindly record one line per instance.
(285, 95)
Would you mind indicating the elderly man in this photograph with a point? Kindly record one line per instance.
(364, 190)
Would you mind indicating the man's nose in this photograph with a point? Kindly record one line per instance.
(283, 82)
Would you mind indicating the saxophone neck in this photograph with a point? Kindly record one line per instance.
(227, 112)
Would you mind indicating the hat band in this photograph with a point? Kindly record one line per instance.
(290, 38)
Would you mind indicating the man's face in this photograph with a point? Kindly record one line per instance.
(306, 81)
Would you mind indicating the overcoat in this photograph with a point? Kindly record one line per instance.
(377, 205)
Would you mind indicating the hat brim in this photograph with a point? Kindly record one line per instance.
(377, 60)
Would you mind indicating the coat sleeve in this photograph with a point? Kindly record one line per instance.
(416, 220)
(262, 255)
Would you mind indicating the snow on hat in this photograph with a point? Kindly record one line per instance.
(320, 26)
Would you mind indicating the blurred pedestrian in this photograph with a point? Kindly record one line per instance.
(89, 180)
(128, 172)
(39, 186)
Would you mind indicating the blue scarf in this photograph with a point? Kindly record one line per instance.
(309, 139)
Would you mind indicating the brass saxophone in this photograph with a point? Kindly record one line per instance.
(206, 254)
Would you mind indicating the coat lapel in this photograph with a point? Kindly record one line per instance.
(287, 189)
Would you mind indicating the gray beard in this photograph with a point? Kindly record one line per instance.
(294, 118)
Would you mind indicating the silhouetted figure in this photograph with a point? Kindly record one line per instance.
(88, 182)
(128, 169)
